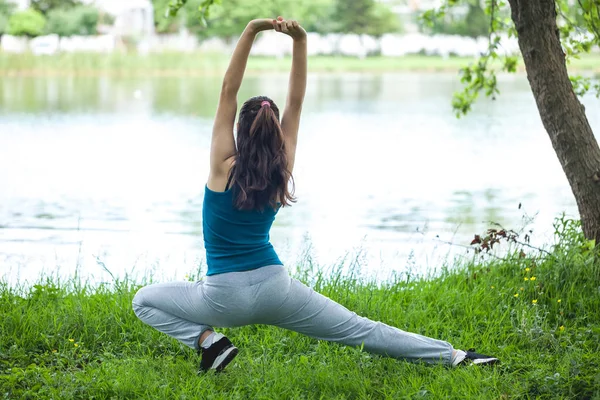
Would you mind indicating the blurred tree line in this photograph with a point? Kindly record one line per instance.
(322, 16)
(61, 17)
(227, 20)
(474, 23)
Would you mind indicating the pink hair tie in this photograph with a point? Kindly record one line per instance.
(265, 103)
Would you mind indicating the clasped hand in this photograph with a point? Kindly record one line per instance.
(289, 27)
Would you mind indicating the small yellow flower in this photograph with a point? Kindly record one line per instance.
(521, 289)
(526, 278)
(534, 301)
(527, 269)
(533, 278)
(561, 328)
(558, 301)
(75, 344)
(492, 286)
(516, 295)
(71, 340)
(54, 350)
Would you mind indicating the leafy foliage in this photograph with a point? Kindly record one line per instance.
(6, 7)
(164, 23)
(364, 17)
(61, 22)
(474, 24)
(228, 18)
(26, 23)
(80, 20)
(383, 21)
(45, 6)
(3, 24)
(87, 18)
(353, 16)
(203, 7)
(579, 26)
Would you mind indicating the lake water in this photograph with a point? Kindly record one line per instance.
(113, 169)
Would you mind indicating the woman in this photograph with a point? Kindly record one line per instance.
(246, 282)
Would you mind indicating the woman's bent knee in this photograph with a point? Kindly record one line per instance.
(139, 302)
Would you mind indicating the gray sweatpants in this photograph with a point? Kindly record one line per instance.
(267, 295)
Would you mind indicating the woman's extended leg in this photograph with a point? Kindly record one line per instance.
(308, 312)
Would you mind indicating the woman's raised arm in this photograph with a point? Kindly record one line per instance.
(223, 145)
(290, 121)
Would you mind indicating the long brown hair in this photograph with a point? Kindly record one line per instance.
(260, 173)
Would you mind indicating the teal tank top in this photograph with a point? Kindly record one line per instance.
(235, 240)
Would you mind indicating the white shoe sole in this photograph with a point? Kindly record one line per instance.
(490, 360)
(224, 358)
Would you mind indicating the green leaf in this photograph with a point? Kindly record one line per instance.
(581, 85)
(578, 26)
(510, 63)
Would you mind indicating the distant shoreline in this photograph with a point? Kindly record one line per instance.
(203, 64)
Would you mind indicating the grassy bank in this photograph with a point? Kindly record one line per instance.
(539, 313)
(201, 64)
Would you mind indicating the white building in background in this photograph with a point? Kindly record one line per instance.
(132, 17)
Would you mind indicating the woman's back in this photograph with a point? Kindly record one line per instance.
(235, 240)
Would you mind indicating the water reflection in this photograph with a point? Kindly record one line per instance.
(114, 168)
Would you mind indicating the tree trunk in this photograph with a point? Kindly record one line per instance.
(562, 114)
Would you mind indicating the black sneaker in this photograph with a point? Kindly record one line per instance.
(478, 359)
(218, 355)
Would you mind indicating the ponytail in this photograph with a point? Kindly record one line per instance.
(266, 123)
(260, 171)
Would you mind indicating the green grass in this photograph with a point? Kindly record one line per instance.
(204, 63)
(69, 340)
